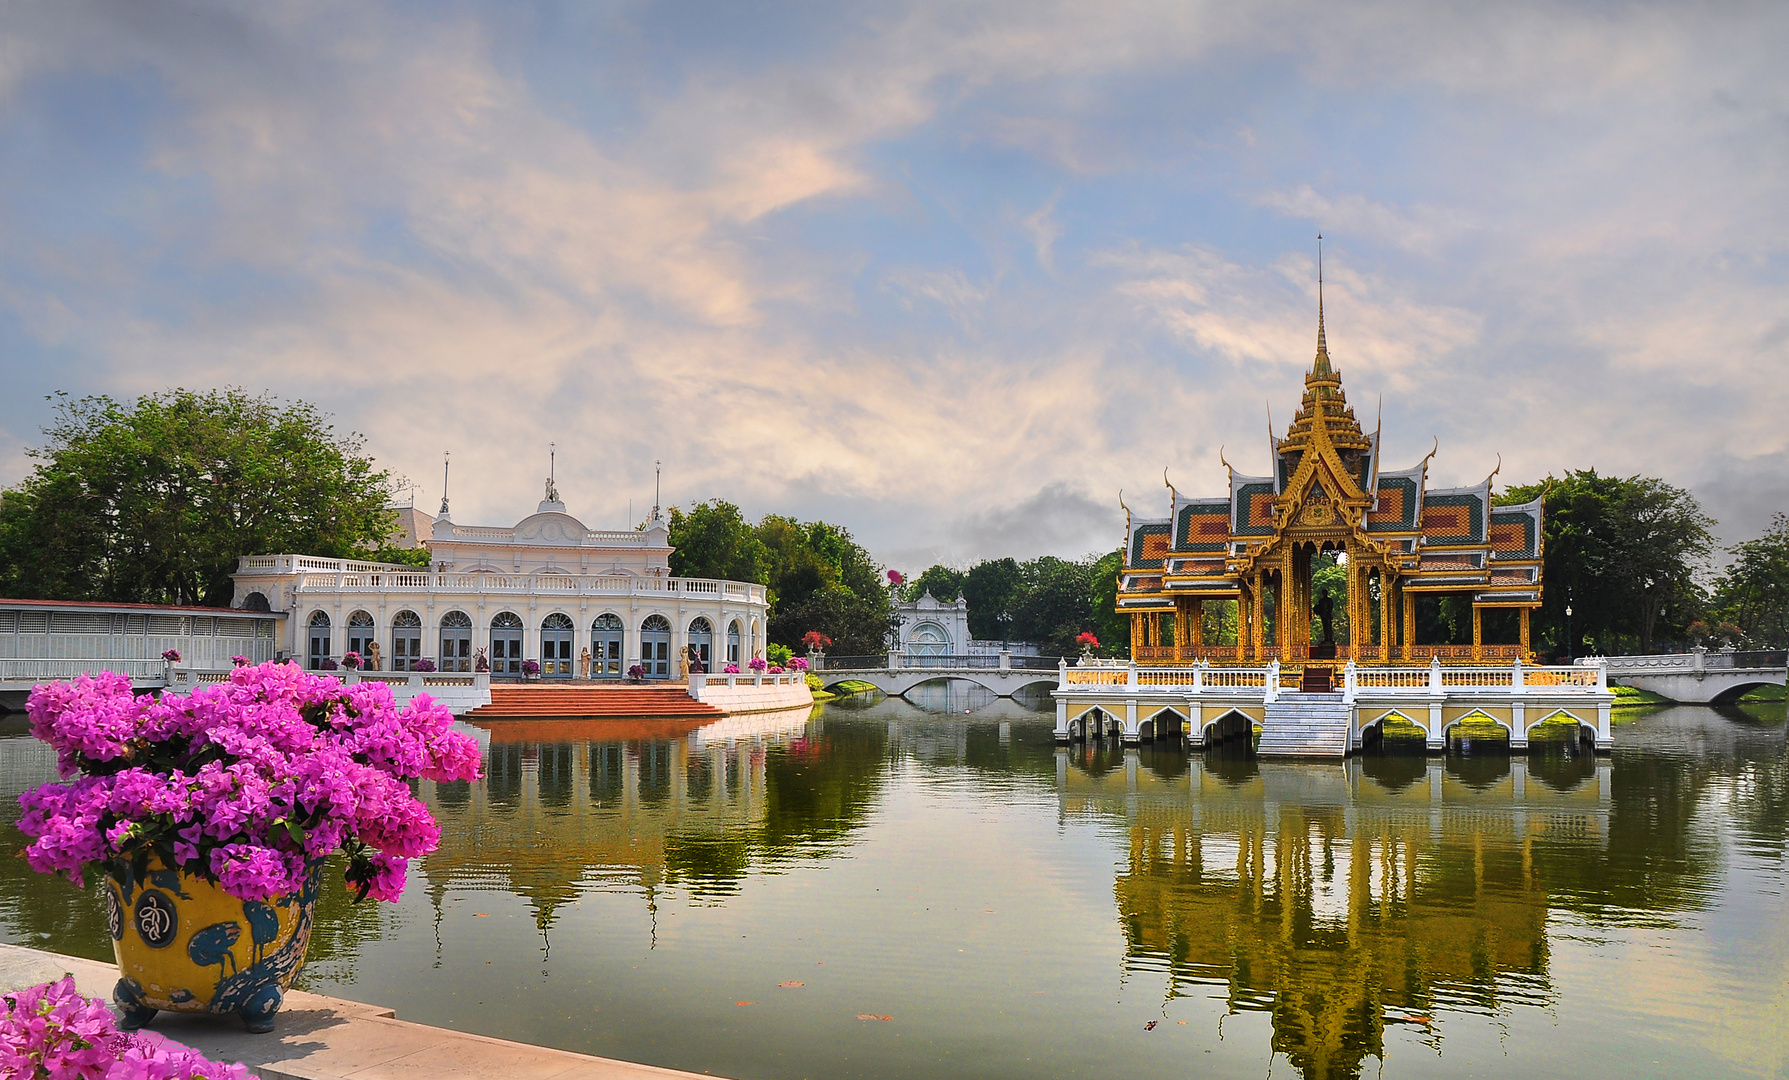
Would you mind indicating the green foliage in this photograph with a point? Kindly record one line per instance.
(942, 582)
(1753, 594)
(778, 654)
(713, 540)
(1112, 629)
(418, 556)
(154, 501)
(1624, 553)
(992, 588)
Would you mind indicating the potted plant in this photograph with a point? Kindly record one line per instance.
(209, 817)
(1088, 643)
(636, 673)
(530, 670)
(351, 660)
(424, 665)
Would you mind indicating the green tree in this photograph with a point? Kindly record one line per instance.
(154, 501)
(713, 540)
(1624, 553)
(1753, 593)
(942, 582)
(1112, 628)
(992, 588)
(1054, 604)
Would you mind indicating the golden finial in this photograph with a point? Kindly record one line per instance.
(1127, 513)
(1169, 482)
(1495, 471)
(1431, 453)
(1322, 349)
(1227, 465)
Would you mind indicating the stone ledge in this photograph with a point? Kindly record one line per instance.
(325, 1038)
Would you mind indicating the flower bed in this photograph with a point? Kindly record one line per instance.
(52, 1031)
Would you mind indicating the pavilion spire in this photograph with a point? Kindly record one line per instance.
(1321, 364)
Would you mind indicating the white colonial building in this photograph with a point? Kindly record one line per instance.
(929, 626)
(545, 590)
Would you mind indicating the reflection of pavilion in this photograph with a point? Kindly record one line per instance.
(1339, 902)
(551, 815)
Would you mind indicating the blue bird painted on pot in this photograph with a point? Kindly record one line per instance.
(263, 925)
(212, 945)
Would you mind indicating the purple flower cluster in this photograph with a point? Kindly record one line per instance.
(52, 1030)
(172, 656)
(244, 783)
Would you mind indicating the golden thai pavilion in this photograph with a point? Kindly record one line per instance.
(1395, 539)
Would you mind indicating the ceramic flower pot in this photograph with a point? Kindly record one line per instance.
(185, 945)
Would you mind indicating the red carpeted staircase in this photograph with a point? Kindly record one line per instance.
(592, 699)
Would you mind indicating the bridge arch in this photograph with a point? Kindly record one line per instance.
(1586, 728)
(1733, 693)
(1166, 723)
(1228, 725)
(1508, 731)
(1378, 722)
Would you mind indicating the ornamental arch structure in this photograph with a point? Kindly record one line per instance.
(1393, 538)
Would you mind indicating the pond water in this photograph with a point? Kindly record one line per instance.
(885, 889)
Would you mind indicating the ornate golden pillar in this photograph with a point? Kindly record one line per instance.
(1408, 619)
(1258, 620)
(1478, 633)
(1136, 632)
(1525, 649)
(1387, 634)
(1195, 625)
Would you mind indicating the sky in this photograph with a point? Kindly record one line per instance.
(953, 275)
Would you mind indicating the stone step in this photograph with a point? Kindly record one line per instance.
(1306, 725)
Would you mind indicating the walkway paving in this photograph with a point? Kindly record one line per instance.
(323, 1038)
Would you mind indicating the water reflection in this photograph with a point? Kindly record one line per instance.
(1354, 911)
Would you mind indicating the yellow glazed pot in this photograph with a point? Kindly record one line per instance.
(185, 945)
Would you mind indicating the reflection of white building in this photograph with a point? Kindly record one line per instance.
(544, 590)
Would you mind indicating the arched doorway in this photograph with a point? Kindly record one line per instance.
(456, 641)
(701, 641)
(360, 633)
(256, 601)
(928, 639)
(608, 643)
(556, 632)
(506, 644)
(733, 642)
(319, 627)
(655, 647)
(406, 640)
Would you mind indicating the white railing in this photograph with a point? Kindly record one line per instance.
(53, 670)
(401, 580)
(698, 680)
(1435, 680)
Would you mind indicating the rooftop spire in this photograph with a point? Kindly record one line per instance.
(445, 456)
(1322, 361)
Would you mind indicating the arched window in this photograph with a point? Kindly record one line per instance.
(319, 639)
(701, 641)
(556, 633)
(928, 639)
(256, 601)
(608, 644)
(456, 641)
(506, 644)
(360, 633)
(655, 647)
(406, 640)
(733, 642)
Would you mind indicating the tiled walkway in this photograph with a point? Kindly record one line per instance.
(322, 1038)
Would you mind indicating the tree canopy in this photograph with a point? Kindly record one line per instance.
(817, 576)
(1753, 593)
(1623, 553)
(155, 500)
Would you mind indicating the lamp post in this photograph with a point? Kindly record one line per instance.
(1569, 650)
(1005, 619)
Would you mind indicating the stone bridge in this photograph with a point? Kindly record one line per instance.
(1700, 676)
(895, 674)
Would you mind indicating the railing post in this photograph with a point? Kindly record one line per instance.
(1517, 681)
(1435, 675)
(1130, 675)
(1006, 660)
(1272, 689)
(1062, 671)
(1199, 678)
(1602, 675)
(1348, 683)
